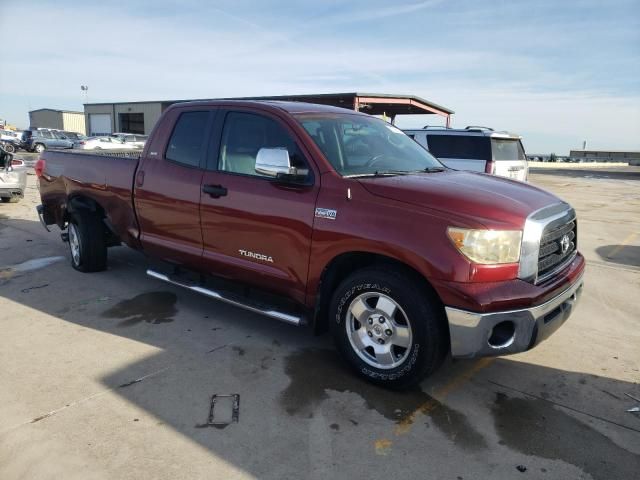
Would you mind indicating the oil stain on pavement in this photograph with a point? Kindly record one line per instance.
(310, 386)
(534, 427)
(151, 307)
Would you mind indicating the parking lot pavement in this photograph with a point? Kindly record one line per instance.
(110, 375)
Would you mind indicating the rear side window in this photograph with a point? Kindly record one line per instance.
(459, 146)
(507, 150)
(187, 141)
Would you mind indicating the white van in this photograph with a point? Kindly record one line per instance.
(477, 149)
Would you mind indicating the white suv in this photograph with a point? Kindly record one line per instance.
(477, 149)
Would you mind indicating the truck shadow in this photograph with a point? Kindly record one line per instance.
(620, 254)
(301, 409)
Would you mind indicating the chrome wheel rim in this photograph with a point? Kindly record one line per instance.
(74, 244)
(379, 331)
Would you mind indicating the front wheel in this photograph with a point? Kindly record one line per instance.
(388, 328)
(87, 243)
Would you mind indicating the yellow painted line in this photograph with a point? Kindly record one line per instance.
(624, 243)
(383, 446)
(404, 426)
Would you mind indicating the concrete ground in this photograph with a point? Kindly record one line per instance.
(110, 375)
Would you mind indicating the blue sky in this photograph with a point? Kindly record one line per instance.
(557, 72)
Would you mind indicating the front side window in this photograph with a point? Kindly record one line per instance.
(244, 134)
(187, 141)
(361, 145)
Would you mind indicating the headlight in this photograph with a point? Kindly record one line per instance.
(487, 246)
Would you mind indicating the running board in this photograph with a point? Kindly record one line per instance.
(285, 317)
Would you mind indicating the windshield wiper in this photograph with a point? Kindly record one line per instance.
(433, 169)
(380, 173)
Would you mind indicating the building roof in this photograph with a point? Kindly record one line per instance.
(371, 103)
(290, 107)
(54, 110)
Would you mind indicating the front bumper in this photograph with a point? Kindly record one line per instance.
(501, 333)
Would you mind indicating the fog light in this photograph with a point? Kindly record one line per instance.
(503, 334)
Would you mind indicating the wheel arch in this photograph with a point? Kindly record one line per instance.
(343, 264)
(79, 202)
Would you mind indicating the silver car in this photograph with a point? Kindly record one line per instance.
(13, 178)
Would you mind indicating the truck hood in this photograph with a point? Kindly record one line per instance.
(492, 201)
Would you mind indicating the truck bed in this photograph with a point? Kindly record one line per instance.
(104, 178)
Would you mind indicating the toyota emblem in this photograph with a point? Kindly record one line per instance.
(565, 243)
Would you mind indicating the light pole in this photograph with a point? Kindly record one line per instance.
(85, 93)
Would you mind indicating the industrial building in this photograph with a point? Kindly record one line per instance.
(140, 117)
(605, 155)
(59, 119)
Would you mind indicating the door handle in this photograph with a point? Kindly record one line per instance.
(215, 191)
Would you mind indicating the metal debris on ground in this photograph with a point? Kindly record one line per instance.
(633, 409)
(219, 418)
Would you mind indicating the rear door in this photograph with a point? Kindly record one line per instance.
(509, 158)
(255, 229)
(167, 186)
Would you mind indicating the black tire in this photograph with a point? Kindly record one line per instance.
(427, 340)
(39, 148)
(89, 231)
(14, 199)
(9, 148)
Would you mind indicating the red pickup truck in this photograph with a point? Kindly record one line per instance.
(319, 215)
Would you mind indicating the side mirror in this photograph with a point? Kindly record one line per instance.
(274, 162)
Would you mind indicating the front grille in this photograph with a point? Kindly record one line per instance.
(551, 255)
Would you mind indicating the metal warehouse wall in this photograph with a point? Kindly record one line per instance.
(73, 122)
(151, 112)
(46, 119)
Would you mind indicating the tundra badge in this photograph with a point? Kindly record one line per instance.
(257, 256)
(326, 213)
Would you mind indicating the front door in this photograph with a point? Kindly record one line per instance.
(167, 188)
(256, 229)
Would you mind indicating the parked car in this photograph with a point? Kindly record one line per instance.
(134, 139)
(10, 145)
(321, 215)
(13, 177)
(39, 139)
(73, 136)
(476, 149)
(8, 135)
(104, 143)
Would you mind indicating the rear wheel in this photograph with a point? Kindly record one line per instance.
(14, 199)
(40, 148)
(387, 327)
(87, 243)
(9, 148)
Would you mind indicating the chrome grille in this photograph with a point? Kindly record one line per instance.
(551, 256)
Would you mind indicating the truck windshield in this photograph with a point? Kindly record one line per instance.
(357, 145)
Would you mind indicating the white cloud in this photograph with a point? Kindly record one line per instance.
(136, 57)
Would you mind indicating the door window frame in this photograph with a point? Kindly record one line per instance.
(215, 145)
(212, 113)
